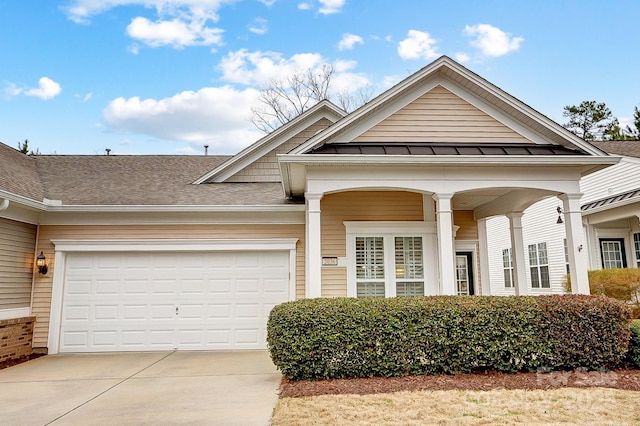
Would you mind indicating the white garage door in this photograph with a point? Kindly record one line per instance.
(162, 301)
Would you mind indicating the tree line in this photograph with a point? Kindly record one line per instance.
(594, 121)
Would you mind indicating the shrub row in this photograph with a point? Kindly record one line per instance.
(618, 283)
(348, 337)
(634, 344)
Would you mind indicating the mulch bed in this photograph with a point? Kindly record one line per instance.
(16, 361)
(617, 379)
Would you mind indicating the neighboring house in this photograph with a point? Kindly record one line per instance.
(191, 252)
(610, 207)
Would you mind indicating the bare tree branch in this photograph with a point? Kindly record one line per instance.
(284, 99)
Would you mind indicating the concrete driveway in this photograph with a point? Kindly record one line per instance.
(212, 388)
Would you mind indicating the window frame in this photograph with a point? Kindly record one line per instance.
(539, 269)
(508, 267)
(389, 231)
(623, 253)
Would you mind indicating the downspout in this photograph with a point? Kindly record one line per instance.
(4, 204)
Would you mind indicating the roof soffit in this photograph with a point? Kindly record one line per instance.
(324, 109)
(464, 84)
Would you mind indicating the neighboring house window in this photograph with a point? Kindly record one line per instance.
(636, 246)
(612, 252)
(507, 267)
(375, 255)
(539, 265)
(566, 255)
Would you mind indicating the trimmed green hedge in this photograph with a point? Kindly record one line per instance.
(634, 344)
(348, 337)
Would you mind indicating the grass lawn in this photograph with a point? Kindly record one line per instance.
(589, 406)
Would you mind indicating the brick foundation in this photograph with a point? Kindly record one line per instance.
(16, 337)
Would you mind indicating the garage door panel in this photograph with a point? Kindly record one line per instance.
(137, 301)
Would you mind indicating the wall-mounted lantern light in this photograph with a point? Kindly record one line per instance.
(559, 210)
(41, 263)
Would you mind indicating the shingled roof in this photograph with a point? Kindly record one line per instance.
(627, 148)
(19, 174)
(147, 180)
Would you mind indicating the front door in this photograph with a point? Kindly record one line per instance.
(464, 273)
(612, 251)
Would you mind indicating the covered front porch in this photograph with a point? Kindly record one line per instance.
(383, 227)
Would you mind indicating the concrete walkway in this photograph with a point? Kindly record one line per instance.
(209, 388)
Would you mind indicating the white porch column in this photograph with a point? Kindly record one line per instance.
(446, 253)
(483, 249)
(576, 247)
(313, 247)
(517, 254)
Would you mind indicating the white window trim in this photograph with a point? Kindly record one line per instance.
(153, 245)
(388, 230)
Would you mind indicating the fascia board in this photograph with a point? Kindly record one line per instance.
(525, 109)
(23, 201)
(253, 152)
(169, 209)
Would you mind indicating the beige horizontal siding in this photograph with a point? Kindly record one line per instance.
(359, 206)
(266, 168)
(17, 253)
(468, 226)
(440, 116)
(42, 291)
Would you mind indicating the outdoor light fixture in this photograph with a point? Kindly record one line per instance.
(41, 263)
(559, 209)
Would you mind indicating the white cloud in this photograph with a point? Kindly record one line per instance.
(11, 90)
(245, 67)
(462, 57)
(492, 41)
(418, 44)
(218, 116)
(175, 33)
(349, 41)
(178, 23)
(259, 26)
(258, 68)
(81, 11)
(327, 7)
(331, 6)
(47, 89)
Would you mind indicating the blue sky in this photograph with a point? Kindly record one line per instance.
(169, 76)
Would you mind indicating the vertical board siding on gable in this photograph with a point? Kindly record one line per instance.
(266, 168)
(42, 291)
(17, 251)
(440, 116)
(358, 206)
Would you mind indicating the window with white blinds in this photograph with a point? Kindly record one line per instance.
(409, 266)
(370, 276)
(376, 255)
